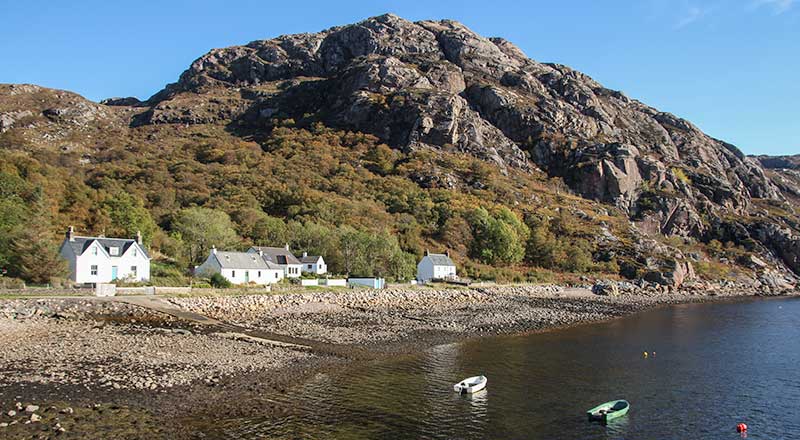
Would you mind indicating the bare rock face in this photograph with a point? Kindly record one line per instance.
(782, 240)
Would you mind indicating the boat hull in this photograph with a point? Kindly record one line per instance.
(609, 411)
(471, 385)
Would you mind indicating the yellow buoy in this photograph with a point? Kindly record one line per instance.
(645, 354)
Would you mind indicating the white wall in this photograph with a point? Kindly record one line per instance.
(254, 276)
(318, 268)
(81, 266)
(426, 270)
(293, 270)
(238, 276)
(444, 271)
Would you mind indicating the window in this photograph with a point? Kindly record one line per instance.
(276, 274)
(113, 251)
(135, 253)
(259, 274)
(94, 250)
(133, 271)
(93, 270)
(233, 274)
(309, 267)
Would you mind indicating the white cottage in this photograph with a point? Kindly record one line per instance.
(435, 267)
(240, 267)
(95, 260)
(313, 264)
(282, 257)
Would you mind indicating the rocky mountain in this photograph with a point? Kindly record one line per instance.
(437, 87)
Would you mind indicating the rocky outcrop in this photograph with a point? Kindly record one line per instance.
(437, 84)
(779, 162)
(129, 101)
(783, 241)
(677, 274)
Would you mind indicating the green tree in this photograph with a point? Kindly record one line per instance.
(35, 252)
(129, 216)
(201, 228)
(498, 238)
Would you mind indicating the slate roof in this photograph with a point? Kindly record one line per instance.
(241, 260)
(81, 244)
(310, 259)
(441, 260)
(277, 255)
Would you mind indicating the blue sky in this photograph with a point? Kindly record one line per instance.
(730, 66)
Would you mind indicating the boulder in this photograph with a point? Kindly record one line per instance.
(606, 289)
(679, 272)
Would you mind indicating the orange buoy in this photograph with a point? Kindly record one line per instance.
(741, 427)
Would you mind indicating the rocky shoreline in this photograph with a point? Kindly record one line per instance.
(143, 366)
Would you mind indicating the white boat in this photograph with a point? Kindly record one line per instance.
(471, 385)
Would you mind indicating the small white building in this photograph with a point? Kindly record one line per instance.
(240, 268)
(95, 260)
(436, 267)
(313, 264)
(282, 257)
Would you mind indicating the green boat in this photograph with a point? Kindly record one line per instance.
(609, 410)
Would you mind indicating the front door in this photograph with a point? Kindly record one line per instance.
(113, 272)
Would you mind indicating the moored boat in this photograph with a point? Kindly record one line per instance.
(471, 385)
(609, 410)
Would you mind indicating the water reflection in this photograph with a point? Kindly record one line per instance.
(717, 365)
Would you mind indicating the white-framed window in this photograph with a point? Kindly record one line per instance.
(259, 274)
(135, 252)
(93, 270)
(233, 274)
(94, 250)
(133, 271)
(276, 274)
(114, 251)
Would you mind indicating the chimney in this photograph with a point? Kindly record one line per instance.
(139, 237)
(305, 254)
(71, 233)
(286, 247)
(260, 252)
(426, 252)
(214, 250)
(447, 252)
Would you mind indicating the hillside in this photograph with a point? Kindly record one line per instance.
(402, 136)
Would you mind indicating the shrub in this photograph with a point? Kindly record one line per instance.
(219, 281)
(11, 283)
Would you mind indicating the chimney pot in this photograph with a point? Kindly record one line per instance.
(287, 246)
(214, 250)
(71, 233)
(305, 254)
(447, 252)
(139, 237)
(427, 252)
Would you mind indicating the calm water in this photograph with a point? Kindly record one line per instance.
(715, 365)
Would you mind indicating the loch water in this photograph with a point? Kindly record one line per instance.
(709, 367)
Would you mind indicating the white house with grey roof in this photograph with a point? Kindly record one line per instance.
(313, 264)
(436, 267)
(241, 267)
(95, 260)
(280, 256)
